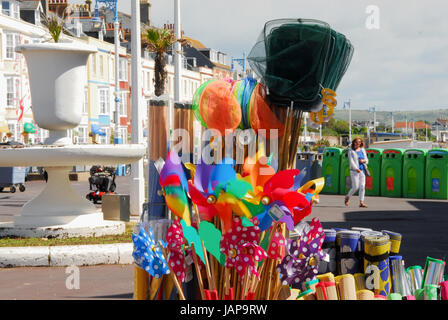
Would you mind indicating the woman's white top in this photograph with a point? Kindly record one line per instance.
(354, 159)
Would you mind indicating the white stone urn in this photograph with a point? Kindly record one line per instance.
(57, 79)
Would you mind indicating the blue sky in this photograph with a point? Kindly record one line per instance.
(403, 65)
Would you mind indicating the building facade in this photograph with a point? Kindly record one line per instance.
(101, 98)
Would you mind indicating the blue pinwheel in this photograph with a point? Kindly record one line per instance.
(148, 255)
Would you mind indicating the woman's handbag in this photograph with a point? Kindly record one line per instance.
(366, 171)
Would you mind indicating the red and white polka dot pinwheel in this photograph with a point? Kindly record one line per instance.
(175, 241)
(276, 250)
(240, 245)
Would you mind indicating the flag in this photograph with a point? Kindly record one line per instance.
(21, 107)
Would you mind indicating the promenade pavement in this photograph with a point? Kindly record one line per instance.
(422, 223)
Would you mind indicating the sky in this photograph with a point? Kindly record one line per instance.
(401, 48)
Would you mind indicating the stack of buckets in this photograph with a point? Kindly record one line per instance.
(410, 173)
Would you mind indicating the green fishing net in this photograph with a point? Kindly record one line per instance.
(297, 58)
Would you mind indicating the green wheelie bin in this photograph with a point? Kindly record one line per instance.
(345, 182)
(391, 173)
(330, 169)
(436, 174)
(373, 182)
(414, 167)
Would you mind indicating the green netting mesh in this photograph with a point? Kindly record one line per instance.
(296, 58)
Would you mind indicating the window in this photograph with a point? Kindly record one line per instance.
(94, 64)
(101, 66)
(104, 101)
(42, 134)
(16, 10)
(124, 135)
(105, 139)
(6, 9)
(10, 46)
(12, 92)
(123, 70)
(37, 18)
(123, 104)
(149, 81)
(85, 105)
(83, 135)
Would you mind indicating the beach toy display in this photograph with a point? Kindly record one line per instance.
(415, 276)
(245, 231)
(325, 55)
(347, 242)
(395, 241)
(376, 253)
(215, 107)
(329, 247)
(433, 273)
(400, 282)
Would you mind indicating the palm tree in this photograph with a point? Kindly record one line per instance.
(159, 41)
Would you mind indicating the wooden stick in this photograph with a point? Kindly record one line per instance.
(211, 282)
(268, 291)
(245, 284)
(198, 272)
(173, 275)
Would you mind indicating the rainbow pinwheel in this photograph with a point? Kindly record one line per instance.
(216, 191)
(175, 247)
(240, 245)
(148, 255)
(301, 262)
(174, 185)
(279, 200)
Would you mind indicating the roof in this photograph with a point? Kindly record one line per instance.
(410, 125)
(30, 4)
(201, 60)
(195, 43)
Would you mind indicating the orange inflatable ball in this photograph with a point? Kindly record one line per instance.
(219, 108)
(260, 114)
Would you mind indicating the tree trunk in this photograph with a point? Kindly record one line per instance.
(159, 74)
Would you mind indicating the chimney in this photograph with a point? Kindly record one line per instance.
(89, 5)
(45, 6)
(145, 12)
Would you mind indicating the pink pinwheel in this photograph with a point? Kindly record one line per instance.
(240, 245)
(301, 262)
(175, 241)
(276, 250)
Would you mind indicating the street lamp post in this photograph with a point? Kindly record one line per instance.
(177, 62)
(137, 179)
(117, 83)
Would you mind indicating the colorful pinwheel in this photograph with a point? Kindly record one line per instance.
(175, 247)
(174, 185)
(304, 208)
(216, 191)
(148, 255)
(240, 245)
(276, 250)
(301, 262)
(279, 200)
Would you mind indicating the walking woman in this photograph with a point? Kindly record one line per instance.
(358, 166)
